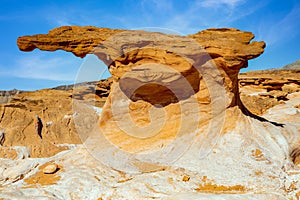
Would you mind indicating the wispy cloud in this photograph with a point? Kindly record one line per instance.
(210, 13)
(218, 3)
(59, 68)
(189, 17)
(282, 30)
(65, 18)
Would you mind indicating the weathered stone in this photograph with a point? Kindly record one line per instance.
(137, 61)
(50, 168)
(261, 90)
(253, 150)
(230, 47)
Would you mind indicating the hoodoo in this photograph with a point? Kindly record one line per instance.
(173, 125)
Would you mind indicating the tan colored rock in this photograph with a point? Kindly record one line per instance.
(226, 42)
(55, 109)
(291, 88)
(136, 60)
(230, 47)
(50, 168)
(261, 90)
(155, 73)
(249, 160)
(8, 152)
(78, 40)
(46, 176)
(22, 130)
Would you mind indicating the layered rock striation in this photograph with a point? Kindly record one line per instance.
(174, 111)
(123, 50)
(151, 69)
(42, 122)
(261, 90)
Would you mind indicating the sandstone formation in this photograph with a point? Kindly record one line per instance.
(53, 107)
(6, 96)
(19, 122)
(211, 54)
(122, 50)
(173, 111)
(261, 90)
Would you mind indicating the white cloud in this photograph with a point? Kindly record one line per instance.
(282, 30)
(59, 66)
(216, 3)
(39, 66)
(194, 16)
(210, 13)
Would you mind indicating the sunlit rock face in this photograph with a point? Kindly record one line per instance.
(172, 126)
(261, 90)
(123, 50)
(158, 72)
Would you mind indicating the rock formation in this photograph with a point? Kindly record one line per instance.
(21, 117)
(261, 90)
(122, 50)
(135, 57)
(6, 96)
(173, 111)
(22, 126)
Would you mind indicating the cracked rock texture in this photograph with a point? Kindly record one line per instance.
(261, 90)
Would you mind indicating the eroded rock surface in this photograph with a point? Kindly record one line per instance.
(223, 148)
(261, 90)
(6, 96)
(20, 125)
(43, 121)
(137, 61)
(123, 50)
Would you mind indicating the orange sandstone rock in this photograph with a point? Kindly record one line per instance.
(155, 73)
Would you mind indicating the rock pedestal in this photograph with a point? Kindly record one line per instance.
(163, 84)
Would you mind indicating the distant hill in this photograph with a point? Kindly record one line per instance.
(5, 96)
(294, 65)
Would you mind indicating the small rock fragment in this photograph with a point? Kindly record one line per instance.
(185, 178)
(50, 169)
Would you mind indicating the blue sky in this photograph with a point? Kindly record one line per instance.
(276, 22)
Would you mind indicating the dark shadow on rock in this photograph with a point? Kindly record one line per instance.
(161, 92)
(250, 114)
